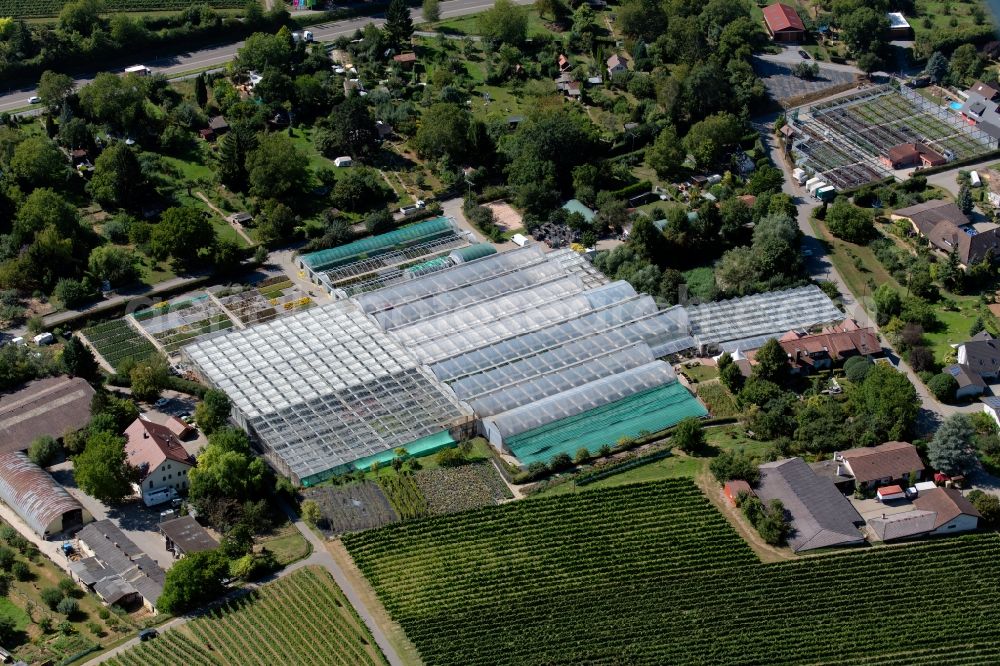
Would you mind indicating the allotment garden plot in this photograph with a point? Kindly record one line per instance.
(303, 618)
(651, 573)
(843, 140)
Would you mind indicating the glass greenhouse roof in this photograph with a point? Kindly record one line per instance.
(761, 315)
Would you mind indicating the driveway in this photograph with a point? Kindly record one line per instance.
(135, 519)
(820, 268)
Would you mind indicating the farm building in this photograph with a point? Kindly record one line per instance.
(783, 23)
(954, 513)
(746, 323)
(52, 406)
(385, 259)
(872, 466)
(43, 504)
(115, 568)
(185, 536)
(899, 27)
(907, 155)
(902, 525)
(733, 489)
(820, 516)
(538, 347)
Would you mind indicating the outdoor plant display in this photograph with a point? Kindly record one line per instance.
(404, 495)
(303, 618)
(651, 573)
(118, 342)
(460, 488)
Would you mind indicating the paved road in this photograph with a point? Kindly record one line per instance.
(820, 267)
(948, 180)
(219, 55)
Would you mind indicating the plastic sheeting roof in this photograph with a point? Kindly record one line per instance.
(413, 233)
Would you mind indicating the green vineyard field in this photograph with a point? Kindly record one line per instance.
(43, 8)
(652, 574)
(302, 618)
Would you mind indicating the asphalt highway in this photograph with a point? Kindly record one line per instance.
(218, 56)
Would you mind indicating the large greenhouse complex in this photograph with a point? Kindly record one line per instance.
(536, 351)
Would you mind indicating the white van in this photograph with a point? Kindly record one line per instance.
(974, 179)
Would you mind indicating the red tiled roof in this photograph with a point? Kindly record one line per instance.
(150, 444)
(782, 17)
(890, 490)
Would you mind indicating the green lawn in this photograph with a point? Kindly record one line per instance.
(701, 373)
(288, 546)
(955, 327)
(857, 278)
(469, 25)
(9, 610)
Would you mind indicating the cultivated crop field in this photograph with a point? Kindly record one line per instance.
(118, 342)
(303, 618)
(42, 8)
(652, 574)
(359, 506)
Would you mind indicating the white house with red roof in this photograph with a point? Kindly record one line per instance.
(158, 454)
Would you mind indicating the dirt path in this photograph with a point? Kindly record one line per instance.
(713, 492)
(237, 228)
(405, 650)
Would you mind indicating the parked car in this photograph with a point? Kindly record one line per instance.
(34, 99)
(804, 54)
(148, 634)
(162, 402)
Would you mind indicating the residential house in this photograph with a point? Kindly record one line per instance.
(783, 23)
(809, 352)
(563, 63)
(946, 228)
(954, 512)
(820, 516)
(991, 405)
(970, 384)
(981, 355)
(158, 454)
(907, 155)
(873, 466)
(980, 108)
(616, 64)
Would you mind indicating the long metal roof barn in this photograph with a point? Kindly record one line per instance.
(34, 494)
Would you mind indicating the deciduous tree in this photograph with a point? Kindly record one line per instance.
(102, 470)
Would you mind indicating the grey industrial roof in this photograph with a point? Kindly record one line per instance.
(188, 535)
(50, 406)
(821, 517)
(121, 558)
(32, 492)
(751, 320)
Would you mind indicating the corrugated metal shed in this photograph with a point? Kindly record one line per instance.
(33, 494)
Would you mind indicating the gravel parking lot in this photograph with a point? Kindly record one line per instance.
(782, 84)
